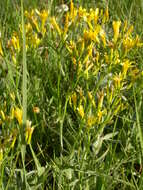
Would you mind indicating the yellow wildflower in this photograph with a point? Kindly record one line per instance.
(35, 24)
(116, 28)
(66, 25)
(28, 132)
(91, 120)
(99, 115)
(96, 15)
(74, 99)
(73, 11)
(130, 30)
(103, 37)
(117, 80)
(1, 51)
(81, 12)
(14, 136)
(89, 53)
(92, 35)
(15, 42)
(74, 60)
(14, 59)
(55, 25)
(1, 155)
(35, 41)
(29, 14)
(2, 115)
(80, 110)
(18, 113)
(129, 43)
(43, 16)
(91, 98)
(28, 28)
(12, 95)
(126, 66)
(100, 99)
(12, 113)
(125, 25)
(106, 14)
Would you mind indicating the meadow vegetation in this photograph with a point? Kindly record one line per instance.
(71, 80)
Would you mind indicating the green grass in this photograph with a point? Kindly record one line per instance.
(64, 152)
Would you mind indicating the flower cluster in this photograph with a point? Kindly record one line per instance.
(11, 123)
(100, 52)
(98, 66)
(35, 29)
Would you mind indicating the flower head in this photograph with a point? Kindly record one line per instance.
(116, 28)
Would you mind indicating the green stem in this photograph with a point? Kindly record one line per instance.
(138, 123)
(24, 101)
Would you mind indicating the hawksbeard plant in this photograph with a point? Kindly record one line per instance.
(95, 69)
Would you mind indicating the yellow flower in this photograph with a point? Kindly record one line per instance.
(43, 16)
(81, 111)
(73, 11)
(125, 25)
(89, 53)
(91, 120)
(35, 40)
(28, 132)
(12, 95)
(35, 24)
(14, 59)
(55, 25)
(14, 136)
(130, 30)
(18, 113)
(126, 66)
(1, 155)
(91, 98)
(81, 12)
(116, 28)
(117, 80)
(74, 99)
(129, 43)
(12, 113)
(1, 51)
(74, 60)
(96, 15)
(103, 37)
(99, 114)
(100, 99)
(28, 28)
(66, 25)
(107, 14)
(2, 115)
(15, 42)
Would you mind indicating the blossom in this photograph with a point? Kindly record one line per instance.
(18, 113)
(28, 132)
(81, 111)
(55, 25)
(116, 28)
(1, 51)
(43, 16)
(91, 120)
